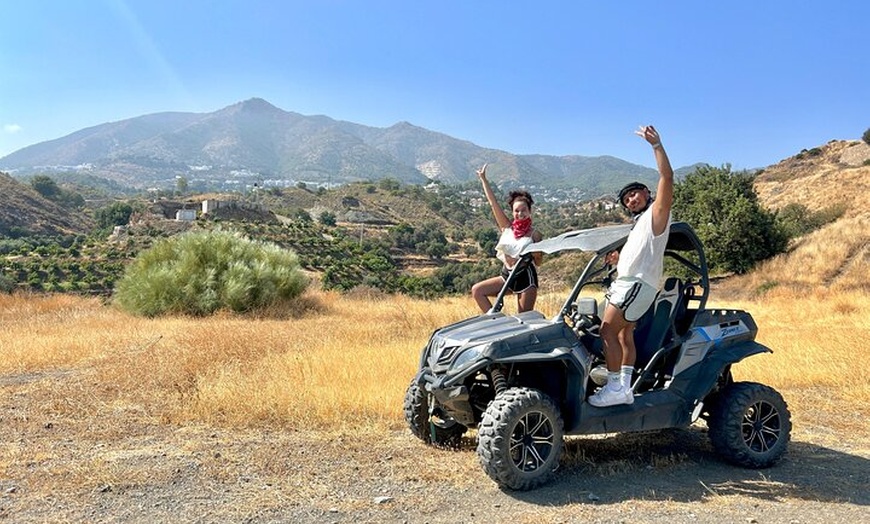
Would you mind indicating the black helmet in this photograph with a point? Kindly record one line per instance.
(629, 187)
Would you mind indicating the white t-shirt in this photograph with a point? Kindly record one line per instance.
(510, 246)
(642, 256)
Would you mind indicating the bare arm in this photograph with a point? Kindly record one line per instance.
(661, 207)
(500, 217)
(537, 255)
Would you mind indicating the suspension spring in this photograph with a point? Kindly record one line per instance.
(499, 381)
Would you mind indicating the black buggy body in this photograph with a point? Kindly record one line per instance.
(523, 380)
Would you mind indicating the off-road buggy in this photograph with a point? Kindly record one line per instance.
(523, 380)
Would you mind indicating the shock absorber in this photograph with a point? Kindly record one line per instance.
(499, 381)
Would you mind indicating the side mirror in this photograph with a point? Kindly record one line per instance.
(587, 306)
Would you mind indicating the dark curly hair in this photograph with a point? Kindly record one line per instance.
(520, 195)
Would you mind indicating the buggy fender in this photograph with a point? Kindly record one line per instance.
(557, 353)
(697, 381)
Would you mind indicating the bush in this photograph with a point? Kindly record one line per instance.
(795, 219)
(200, 273)
(866, 136)
(723, 208)
(327, 218)
(7, 284)
(115, 214)
(45, 186)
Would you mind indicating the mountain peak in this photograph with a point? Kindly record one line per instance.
(255, 105)
(254, 139)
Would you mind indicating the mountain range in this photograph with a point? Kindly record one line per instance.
(254, 142)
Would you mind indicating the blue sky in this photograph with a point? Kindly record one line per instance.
(742, 82)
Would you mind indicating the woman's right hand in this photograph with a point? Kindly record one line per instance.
(481, 173)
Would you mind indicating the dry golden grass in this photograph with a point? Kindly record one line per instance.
(343, 363)
(836, 257)
(300, 411)
(818, 339)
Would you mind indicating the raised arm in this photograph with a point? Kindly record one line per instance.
(500, 217)
(661, 207)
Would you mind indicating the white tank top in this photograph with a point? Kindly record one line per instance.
(643, 254)
(510, 246)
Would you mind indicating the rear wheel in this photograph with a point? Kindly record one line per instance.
(520, 438)
(440, 431)
(750, 425)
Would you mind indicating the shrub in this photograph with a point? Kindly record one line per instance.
(327, 218)
(115, 214)
(723, 208)
(7, 284)
(795, 219)
(200, 273)
(866, 136)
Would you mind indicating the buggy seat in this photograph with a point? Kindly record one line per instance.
(657, 327)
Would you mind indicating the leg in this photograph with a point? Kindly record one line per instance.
(626, 341)
(485, 289)
(526, 299)
(629, 354)
(612, 327)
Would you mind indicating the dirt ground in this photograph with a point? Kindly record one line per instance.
(67, 457)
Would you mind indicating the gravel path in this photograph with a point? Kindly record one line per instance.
(66, 459)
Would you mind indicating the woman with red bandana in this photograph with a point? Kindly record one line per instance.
(516, 234)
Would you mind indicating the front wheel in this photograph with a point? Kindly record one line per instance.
(440, 431)
(520, 438)
(750, 425)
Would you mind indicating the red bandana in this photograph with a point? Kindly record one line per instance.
(521, 227)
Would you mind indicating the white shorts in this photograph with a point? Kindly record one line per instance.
(632, 296)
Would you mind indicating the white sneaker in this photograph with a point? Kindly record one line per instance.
(611, 397)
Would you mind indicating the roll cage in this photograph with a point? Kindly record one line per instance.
(683, 247)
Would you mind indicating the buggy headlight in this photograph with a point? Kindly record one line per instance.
(465, 358)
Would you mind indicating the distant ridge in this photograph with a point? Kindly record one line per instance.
(255, 142)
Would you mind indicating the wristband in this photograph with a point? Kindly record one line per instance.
(657, 145)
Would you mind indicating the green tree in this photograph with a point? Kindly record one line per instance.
(866, 136)
(327, 218)
(181, 184)
(724, 209)
(403, 236)
(115, 214)
(486, 238)
(46, 186)
(200, 273)
(389, 184)
(435, 249)
(301, 215)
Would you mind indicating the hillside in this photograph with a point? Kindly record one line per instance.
(835, 257)
(23, 211)
(255, 143)
(818, 178)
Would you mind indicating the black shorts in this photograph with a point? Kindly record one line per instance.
(526, 278)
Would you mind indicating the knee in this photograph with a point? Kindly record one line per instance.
(625, 336)
(608, 332)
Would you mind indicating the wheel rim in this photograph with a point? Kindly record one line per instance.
(761, 427)
(532, 441)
